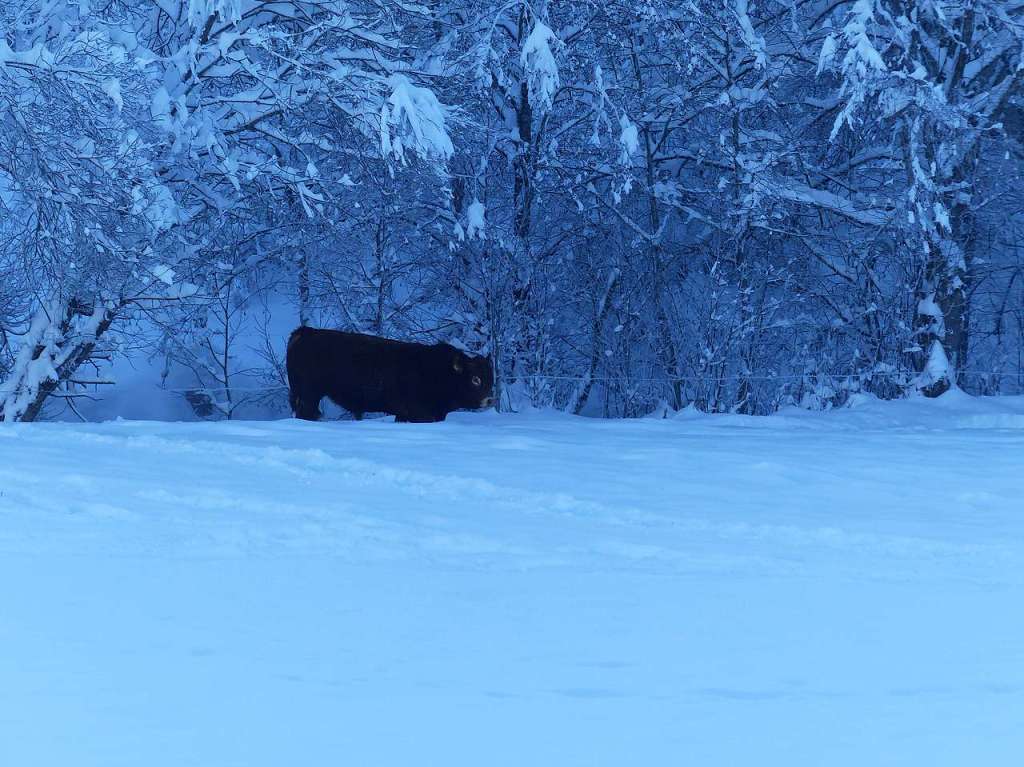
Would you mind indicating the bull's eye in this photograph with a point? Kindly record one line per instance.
(476, 380)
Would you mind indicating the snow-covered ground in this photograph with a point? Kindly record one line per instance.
(533, 589)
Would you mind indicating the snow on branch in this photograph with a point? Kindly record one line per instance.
(56, 343)
(412, 118)
(538, 61)
(821, 198)
(753, 40)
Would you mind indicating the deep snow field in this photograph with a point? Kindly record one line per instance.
(536, 589)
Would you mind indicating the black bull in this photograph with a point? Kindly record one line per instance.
(367, 374)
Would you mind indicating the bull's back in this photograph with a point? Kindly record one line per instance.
(360, 373)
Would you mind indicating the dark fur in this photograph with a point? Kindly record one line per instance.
(367, 374)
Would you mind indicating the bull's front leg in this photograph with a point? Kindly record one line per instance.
(421, 416)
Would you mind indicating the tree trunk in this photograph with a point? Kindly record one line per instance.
(942, 319)
(61, 338)
(666, 351)
(304, 288)
(523, 192)
(943, 301)
(579, 398)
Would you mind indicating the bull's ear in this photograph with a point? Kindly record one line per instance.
(457, 364)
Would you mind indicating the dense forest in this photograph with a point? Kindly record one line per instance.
(735, 205)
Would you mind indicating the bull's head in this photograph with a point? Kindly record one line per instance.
(475, 378)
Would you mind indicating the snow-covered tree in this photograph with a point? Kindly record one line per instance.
(83, 201)
(630, 206)
(941, 80)
(138, 137)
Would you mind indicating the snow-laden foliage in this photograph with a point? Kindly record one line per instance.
(629, 206)
(412, 118)
(538, 62)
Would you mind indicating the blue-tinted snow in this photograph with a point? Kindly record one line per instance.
(535, 589)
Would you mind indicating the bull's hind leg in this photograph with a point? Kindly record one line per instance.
(305, 404)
